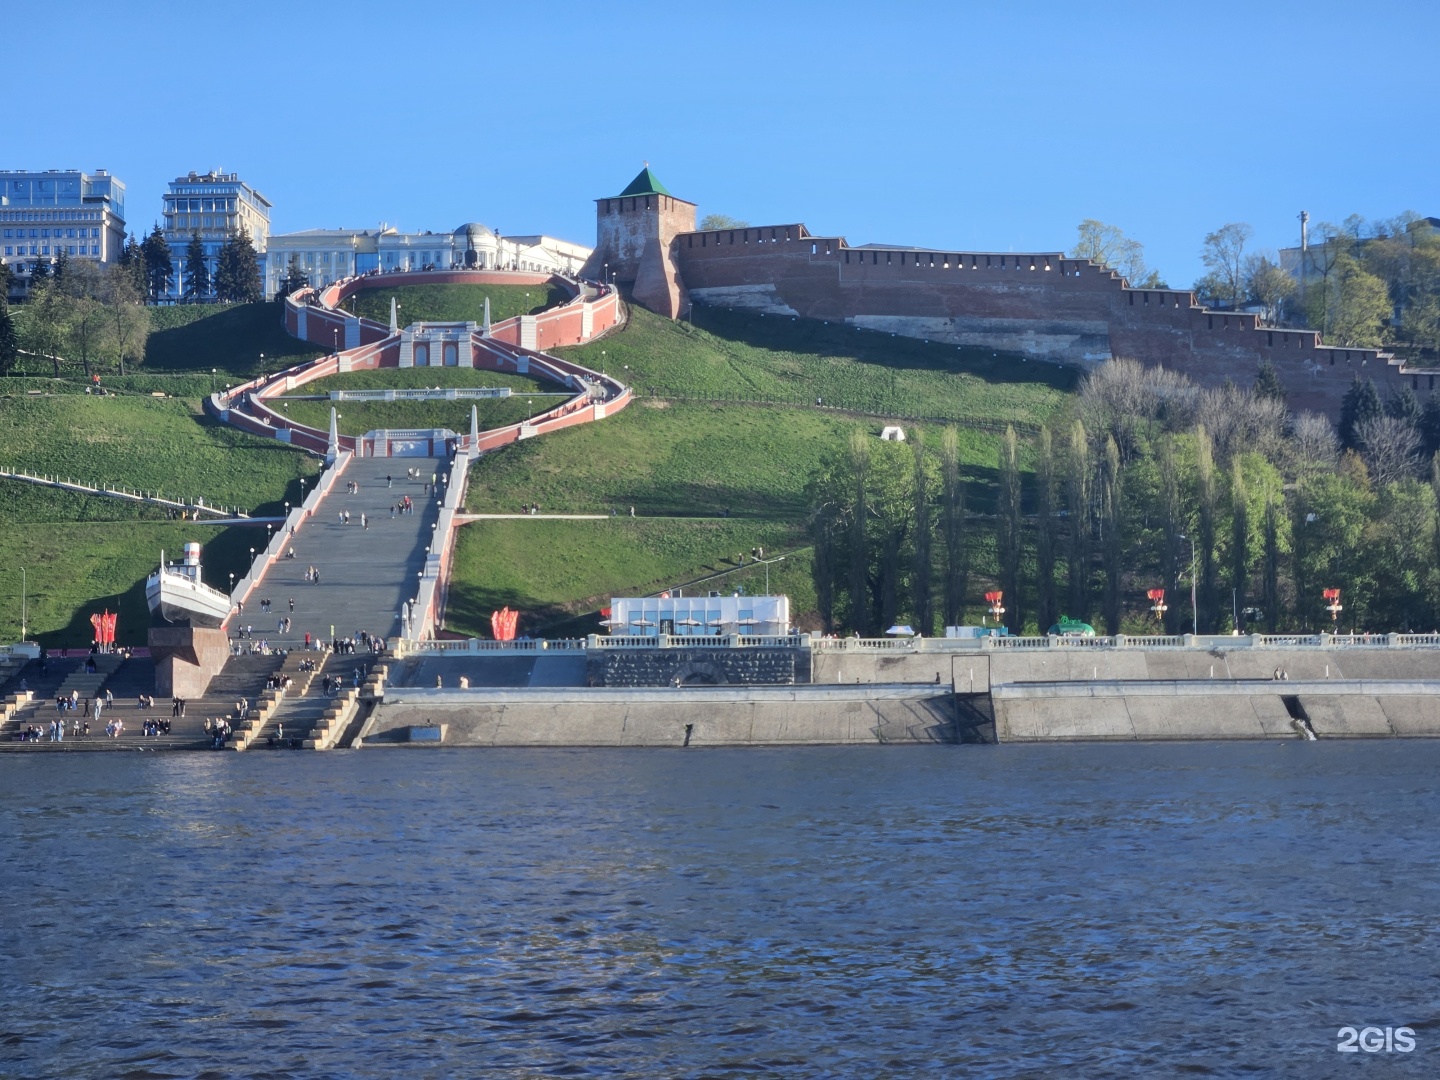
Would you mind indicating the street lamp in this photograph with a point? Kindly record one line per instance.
(335, 339)
(212, 380)
(22, 604)
(1194, 610)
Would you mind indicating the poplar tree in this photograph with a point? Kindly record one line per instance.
(1239, 540)
(1046, 542)
(1173, 521)
(1205, 497)
(920, 576)
(957, 564)
(1007, 531)
(1113, 542)
(859, 546)
(1270, 585)
(1077, 501)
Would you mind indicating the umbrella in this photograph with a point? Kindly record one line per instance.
(899, 629)
(641, 622)
(748, 622)
(716, 622)
(687, 622)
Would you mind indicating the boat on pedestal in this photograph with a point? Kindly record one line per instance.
(177, 595)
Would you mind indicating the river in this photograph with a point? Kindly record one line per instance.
(1217, 909)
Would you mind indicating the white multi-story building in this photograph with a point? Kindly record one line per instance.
(326, 255)
(45, 213)
(216, 205)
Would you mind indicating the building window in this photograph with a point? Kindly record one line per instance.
(8, 251)
(44, 249)
(72, 250)
(94, 249)
(44, 233)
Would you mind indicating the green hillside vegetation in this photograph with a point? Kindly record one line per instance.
(83, 551)
(230, 337)
(560, 573)
(455, 303)
(727, 355)
(358, 417)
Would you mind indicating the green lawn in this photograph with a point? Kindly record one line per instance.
(358, 417)
(455, 303)
(80, 551)
(559, 573)
(229, 337)
(682, 459)
(738, 355)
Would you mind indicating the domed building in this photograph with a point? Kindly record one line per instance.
(474, 245)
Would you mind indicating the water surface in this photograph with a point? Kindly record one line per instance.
(1082, 910)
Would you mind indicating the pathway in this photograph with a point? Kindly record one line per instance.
(365, 573)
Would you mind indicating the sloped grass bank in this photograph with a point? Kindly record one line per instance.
(558, 574)
(455, 303)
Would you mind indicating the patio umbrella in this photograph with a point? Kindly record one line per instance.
(641, 622)
(899, 629)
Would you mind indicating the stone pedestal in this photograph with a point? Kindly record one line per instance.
(187, 658)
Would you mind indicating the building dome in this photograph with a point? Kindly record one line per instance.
(473, 231)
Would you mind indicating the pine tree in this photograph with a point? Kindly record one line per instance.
(1361, 403)
(132, 259)
(1430, 425)
(39, 272)
(9, 340)
(159, 267)
(1267, 382)
(197, 273)
(1404, 406)
(237, 271)
(62, 264)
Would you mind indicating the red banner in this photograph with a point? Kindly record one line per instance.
(502, 624)
(104, 627)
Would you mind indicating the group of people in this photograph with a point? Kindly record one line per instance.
(312, 575)
(266, 605)
(218, 729)
(34, 733)
(155, 727)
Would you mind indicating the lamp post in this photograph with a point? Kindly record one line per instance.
(212, 380)
(335, 339)
(22, 604)
(232, 582)
(1194, 610)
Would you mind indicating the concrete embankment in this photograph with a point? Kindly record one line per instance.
(689, 716)
(1215, 709)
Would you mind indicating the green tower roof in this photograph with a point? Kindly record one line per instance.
(645, 184)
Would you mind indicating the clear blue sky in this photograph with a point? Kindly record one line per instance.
(971, 126)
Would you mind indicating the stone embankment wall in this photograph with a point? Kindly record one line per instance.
(1040, 304)
(708, 716)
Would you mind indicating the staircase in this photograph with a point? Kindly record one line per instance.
(279, 708)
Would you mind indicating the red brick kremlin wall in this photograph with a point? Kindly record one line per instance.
(1039, 304)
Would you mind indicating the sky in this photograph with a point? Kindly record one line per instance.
(964, 126)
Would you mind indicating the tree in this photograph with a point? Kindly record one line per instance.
(159, 267)
(1047, 599)
(1403, 406)
(1313, 445)
(62, 265)
(1390, 447)
(1429, 425)
(1077, 503)
(45, 329)
(1239, 539)
(920, 586)
(85, 317)
(1173, 523)
(1267, 383)
(952, 502)
(9, 340)
(1110, 247)
(1112, 542)
(1420, 322)
(237, 271)
(1270, 575)
(294, 280)
(1360, 404)
(1008, 539)
(1206, 501)
(717, 222)
(1224, 255)
(7, 278)
(197, 272)
(824, 535)
(128, 318)
(859, 547)
(1269, 286)
(39, 272)
(132, 261)
(1352, 308)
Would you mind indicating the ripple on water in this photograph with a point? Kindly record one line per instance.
(1086, 910)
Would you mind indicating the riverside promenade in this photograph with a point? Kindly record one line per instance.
(366, 573)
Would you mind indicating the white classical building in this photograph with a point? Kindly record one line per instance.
(326, 255)
(216, 205)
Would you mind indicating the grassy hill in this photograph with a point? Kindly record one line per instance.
(729, 424)
(455, 303)
(727, 421)
(83, 552)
